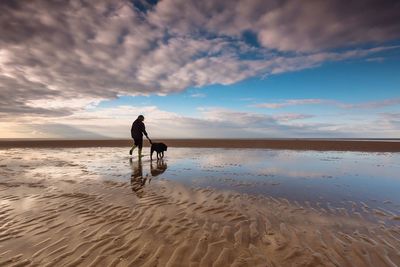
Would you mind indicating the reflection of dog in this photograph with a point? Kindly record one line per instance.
(159, 148)
(160, 168)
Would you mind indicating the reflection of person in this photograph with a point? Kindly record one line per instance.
(160, 168)
(137, 179)
(137, 130)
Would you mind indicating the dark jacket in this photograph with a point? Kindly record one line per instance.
(138, 129)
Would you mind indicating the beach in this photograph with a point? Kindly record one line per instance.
(368, 145)
(275, 127)
(65, 205)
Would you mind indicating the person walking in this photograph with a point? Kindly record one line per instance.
(137, 130)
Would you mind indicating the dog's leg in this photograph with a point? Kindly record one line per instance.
(151, 153)
(162, 154)
(158, 154)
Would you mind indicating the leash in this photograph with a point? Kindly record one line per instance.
(151, 142)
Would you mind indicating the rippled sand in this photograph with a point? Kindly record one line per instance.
(57, 212)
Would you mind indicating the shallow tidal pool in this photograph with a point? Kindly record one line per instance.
(313, 178)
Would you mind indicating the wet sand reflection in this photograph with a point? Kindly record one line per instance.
(138, 180)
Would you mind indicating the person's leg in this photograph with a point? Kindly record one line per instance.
(140, 146)
(133, 148)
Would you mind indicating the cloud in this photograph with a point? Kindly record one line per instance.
(59, 130)
(60, 103)
(286, 25)
(292, 117)
(316, 25)
(198, 95)
(381, 125)
(252, 124)
(390, 119)
(296, 102)
(375, 59)
(391, 116)
(289, 102)
(211, 122)
(372, 104)
(34, 129)
(52, 51)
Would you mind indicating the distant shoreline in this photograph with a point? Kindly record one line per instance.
(362, 145)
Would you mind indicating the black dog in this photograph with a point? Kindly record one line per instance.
(159, 148)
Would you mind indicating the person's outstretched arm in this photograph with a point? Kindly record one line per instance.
(145, 133)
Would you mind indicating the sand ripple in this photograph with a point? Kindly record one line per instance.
(105, 224)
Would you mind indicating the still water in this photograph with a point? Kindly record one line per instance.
(336, 179)
(326, 179)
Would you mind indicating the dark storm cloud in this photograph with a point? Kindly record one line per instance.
(66, 50)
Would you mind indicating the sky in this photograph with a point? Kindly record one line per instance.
(79, 69)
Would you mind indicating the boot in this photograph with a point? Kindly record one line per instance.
(140, 153)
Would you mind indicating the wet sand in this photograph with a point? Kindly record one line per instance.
(59, 212)
(295, 144)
